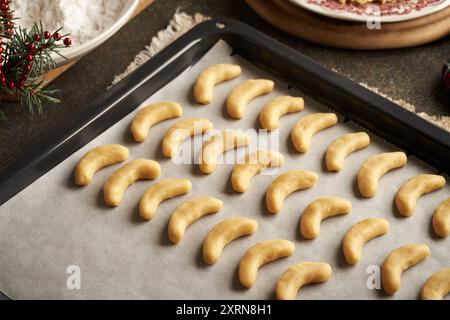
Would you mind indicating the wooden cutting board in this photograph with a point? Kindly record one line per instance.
(352, 35)
(53, 74)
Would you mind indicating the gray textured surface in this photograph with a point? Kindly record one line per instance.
(410, 74)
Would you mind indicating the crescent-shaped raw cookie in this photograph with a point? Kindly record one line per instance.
(359, 234)
(441, 219)
(223, 233)
(218, 144)
(398, 261)
(299, 275)
(150, 115)
(260, 254)
(182, 130)
(413, 189)
(251, 165)
(97, 159)
(208, 78)
(320, 209)
(122, 178)
(244, 93)
(270, 114)
(309, 125)
(340, 148)
(437, 286)
(375, 167)
(285, 184)
(190, 211)
(159, 192)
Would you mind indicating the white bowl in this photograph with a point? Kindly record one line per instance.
(77, 52)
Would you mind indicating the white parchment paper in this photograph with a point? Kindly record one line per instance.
(53, 224)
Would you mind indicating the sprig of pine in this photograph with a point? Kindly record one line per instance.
(26, 55)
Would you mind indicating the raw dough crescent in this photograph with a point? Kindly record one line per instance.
(223, 233)
(190, 211)
(413, 189)
(441, 219)
(152, 114)
(437, 286)
(270, 114)
(306, 127)
(398, 261)
(359, 234)
(159, 192)
(251, 165)
(340, 148)
(96, 159)
(299, 275)
(208, 78)
(218, 144)
(126, 175)
(320, 209)
(375, 167)
(244, 93)
(285, 184)
(182, 130)
(260, 254)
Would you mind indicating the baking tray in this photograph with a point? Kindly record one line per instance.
(36, 225)
(379, 115)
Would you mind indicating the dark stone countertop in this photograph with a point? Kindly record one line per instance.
(410, 74)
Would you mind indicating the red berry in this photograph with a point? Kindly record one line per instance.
(11, 85)
(37, 37)
(24, 76)
(47, 35)
(67, 42)
(57, 36)
(31, 47)
(2, 79)
(29, 57)
(20, 83)
(27, 67)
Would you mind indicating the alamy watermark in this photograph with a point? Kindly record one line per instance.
(374, 279)
(73, 281)
(230, 146)
(373, 21)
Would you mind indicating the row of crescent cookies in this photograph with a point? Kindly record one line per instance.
(291, 181)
